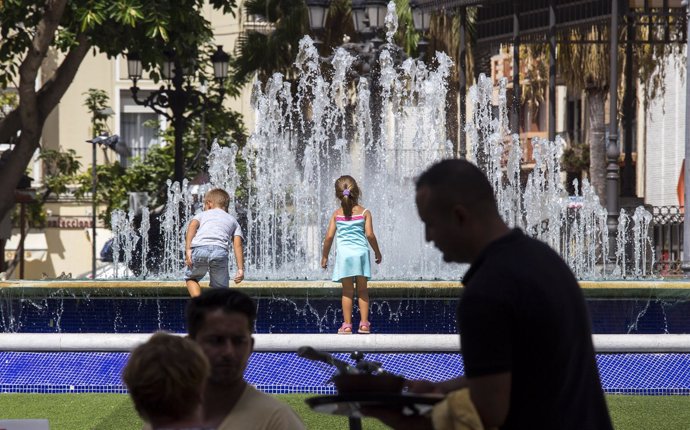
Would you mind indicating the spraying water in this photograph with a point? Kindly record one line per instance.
(384, 130)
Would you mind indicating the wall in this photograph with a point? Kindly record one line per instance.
(665, 135)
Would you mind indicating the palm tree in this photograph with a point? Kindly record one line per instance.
(585, 67)
(275, 48)
(272, 50)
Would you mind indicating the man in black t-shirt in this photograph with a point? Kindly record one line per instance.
(524, 328)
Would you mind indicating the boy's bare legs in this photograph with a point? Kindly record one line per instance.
(363, 298)
(193, 287)
(348, 296)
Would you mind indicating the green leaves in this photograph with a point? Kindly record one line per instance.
(97, 103)
(90, 18)
(60, 168)
(112, 27)
(158, 31)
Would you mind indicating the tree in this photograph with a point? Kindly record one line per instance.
(585, 67)
(97, 102)
(30, 29)
(274, 48)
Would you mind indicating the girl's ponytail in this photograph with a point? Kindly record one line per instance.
(347, 191)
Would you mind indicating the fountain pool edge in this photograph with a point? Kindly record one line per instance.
(302, 288)
(426, 343)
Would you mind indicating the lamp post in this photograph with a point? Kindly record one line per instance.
(112, 142)
(177, 100)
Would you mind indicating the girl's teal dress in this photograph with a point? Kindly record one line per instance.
(351, 248)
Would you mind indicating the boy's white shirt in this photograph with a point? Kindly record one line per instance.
(216, 227)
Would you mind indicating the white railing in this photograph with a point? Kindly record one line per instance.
(122, 342)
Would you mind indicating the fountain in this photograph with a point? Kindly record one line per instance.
(304, 140)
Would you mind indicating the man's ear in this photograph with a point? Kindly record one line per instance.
(252, 338)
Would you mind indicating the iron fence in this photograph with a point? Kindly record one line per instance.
(667, 224)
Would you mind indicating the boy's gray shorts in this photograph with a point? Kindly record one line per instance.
(212, 259)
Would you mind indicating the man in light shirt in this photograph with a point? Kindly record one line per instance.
(221, 321)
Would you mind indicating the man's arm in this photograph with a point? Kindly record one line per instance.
(442, 387)
(491, 396)
(191, 232)
(239, 258)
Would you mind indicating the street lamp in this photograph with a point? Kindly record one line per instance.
(317, 13)
(377, 10)
(420, 17)
(112, 142)
(359, 16)
(369, 16)
(177, 97)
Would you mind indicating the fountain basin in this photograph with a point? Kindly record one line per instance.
(397, 307)
(69, 309)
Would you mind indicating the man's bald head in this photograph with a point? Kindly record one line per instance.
(454, 182)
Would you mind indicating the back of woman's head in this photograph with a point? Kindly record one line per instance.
(166, 377)
(347, 191)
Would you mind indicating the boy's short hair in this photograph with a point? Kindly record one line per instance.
(219, 197)
(227, 300)
(166, 377)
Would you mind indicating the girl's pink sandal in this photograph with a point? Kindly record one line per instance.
(345, 329)
(364, 328)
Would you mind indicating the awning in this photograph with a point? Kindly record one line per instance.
(35, 246)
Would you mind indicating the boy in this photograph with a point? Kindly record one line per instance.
(208, 239)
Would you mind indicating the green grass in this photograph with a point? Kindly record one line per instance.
(650, 412)
(115, 411)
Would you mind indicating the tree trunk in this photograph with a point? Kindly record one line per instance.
(596, 139)
(30, 116)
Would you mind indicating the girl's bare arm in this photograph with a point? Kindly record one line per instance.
(371, 237)
(327, 242)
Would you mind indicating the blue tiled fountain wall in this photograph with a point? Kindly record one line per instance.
(426, 312)
(416, 312)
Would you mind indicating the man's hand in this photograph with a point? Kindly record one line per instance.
(239, 276)
(188, 257)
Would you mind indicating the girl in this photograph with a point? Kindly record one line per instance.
(352, 225)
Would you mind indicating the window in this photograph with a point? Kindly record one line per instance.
(137, 133)
(137, 126)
